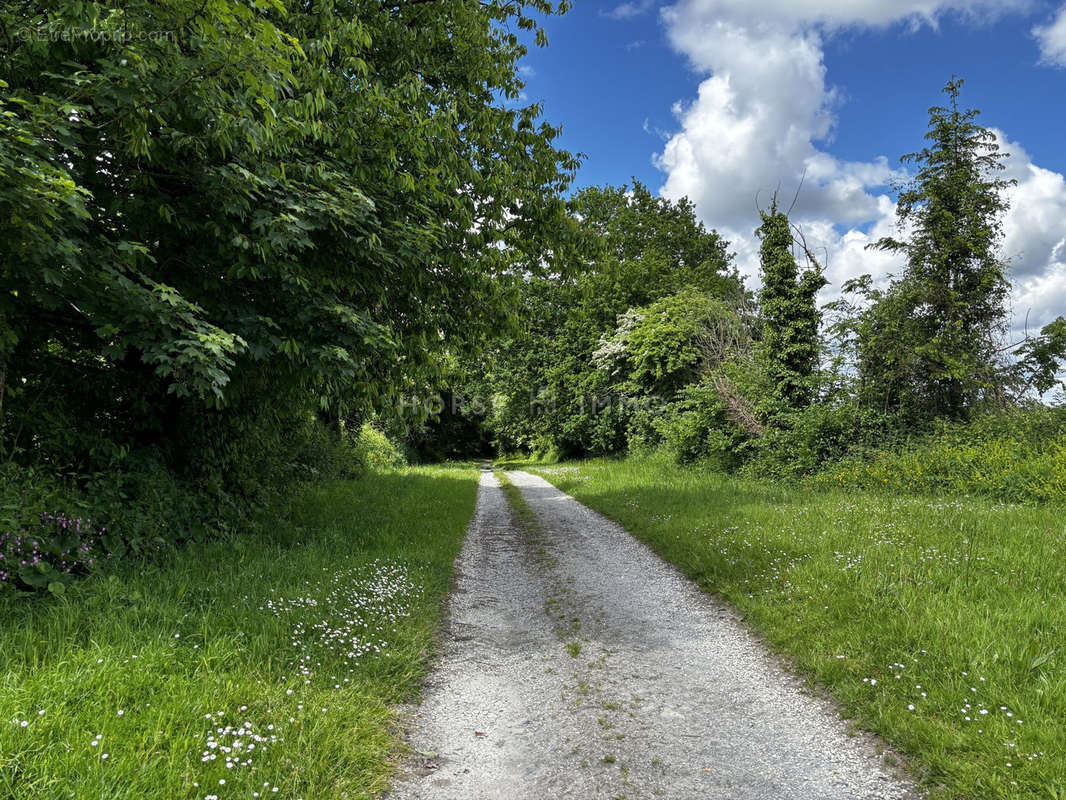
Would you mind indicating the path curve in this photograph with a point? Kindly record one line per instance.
(577, 664)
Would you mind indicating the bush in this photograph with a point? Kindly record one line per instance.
(802, 442)
(57, 527)
(697, 428)
(1017, 457)
(373, 450)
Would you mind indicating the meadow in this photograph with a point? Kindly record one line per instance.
(253, 666)
(936, 622)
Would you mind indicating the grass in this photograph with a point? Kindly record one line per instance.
(263, 666)
(939, 624)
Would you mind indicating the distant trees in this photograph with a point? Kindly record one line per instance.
(565, 380)
(658, 322)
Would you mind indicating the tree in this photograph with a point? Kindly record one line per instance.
(1040, 358)
(225, 204)
(790, 345)
(661, 348)
(930, 344)
(651, 248)
(549, 391)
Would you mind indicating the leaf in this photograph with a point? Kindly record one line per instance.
(1040, 660)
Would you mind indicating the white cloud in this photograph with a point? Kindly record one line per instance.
(634, 8)
(762, 119)
(1052, 40)
(1038, 300)
(1034, 238)
(831, 14)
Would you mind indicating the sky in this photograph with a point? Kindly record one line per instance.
(726, 101)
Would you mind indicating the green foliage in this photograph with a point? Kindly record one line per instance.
(239, 206)
(804, 441)
(135, 506)
(929, 345)
(109, 516)
(697, 428)
(1040, 359)
(650, 248)
(680, 361)
(565, 382)
(673, 340)
(790, 344)
(374, 451)
(1018, 457)
(456, 430)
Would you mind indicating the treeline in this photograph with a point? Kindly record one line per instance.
(230, 231)
(656, 344)
(234, 234)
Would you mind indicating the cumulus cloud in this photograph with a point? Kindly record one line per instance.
(762, 120)
(1052, 40)
(754, 126)
(1034, 237)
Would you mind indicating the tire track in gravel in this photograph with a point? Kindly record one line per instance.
(577, 664)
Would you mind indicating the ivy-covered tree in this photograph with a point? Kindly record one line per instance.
(790, 343)
(930, 344)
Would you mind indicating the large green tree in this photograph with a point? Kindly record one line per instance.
(217, 203)
(548, 390)
(930, 344)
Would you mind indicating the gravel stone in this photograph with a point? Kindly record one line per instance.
(577, 664)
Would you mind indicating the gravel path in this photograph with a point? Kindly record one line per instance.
(579, 665)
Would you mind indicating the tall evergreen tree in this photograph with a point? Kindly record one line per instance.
(791, 318)
(930, 343)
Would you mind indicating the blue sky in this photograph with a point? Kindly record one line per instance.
(602, 78)
(721, 99)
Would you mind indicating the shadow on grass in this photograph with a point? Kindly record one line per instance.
(379, 510)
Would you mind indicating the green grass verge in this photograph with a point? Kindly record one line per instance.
(145, 683)
(941, 625)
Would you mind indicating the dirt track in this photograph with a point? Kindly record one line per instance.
(578, 665)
